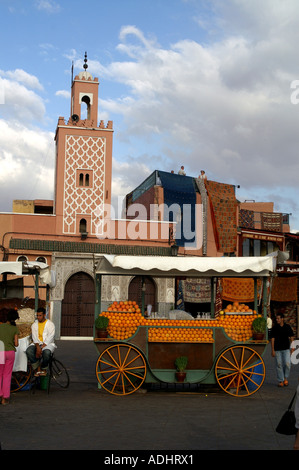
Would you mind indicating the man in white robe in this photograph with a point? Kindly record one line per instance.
(40, 350)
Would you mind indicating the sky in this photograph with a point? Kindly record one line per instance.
(208, 84)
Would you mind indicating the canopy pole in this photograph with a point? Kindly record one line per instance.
(142, 295)
(36, 292)
(265, 296)
(255, 294)
(98, 291)
(212, 297)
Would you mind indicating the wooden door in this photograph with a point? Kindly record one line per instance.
(135, 291)
(78, 305)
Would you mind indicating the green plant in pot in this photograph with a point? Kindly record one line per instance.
(181, 364)
(101, 325)
(259, 327)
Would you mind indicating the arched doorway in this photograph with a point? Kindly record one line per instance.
(77, 309)
(135, 291)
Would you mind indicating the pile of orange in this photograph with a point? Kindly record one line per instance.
(238, 307)
(124, 306)
(125, 318)
(181, 335)
(122, 325)
(237, 327)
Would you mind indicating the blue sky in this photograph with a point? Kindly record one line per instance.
(200, 83)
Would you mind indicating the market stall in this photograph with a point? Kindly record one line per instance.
(27, 308)
(216, 350)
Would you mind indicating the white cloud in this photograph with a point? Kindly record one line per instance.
(26, 162)
(47, 5)
(20, 139)
(257, 20)
(215, 101)
(19, 75)
(223, 106)
(125, 180)
(9, 166)
(20, 103)
(64, 93)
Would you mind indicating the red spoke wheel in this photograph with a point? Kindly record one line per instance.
(121, 369)
(240, 371)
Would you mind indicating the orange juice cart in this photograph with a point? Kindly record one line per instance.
(219, 349)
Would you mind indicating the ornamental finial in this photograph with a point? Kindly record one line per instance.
(85, 66)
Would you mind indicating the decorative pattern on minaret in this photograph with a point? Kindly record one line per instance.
(83, 152)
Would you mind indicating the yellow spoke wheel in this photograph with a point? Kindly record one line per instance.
(20, 379)
(121, 369)
(240, 371)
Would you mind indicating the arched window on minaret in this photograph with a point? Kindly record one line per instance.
(81, 179)
(87, 179)
(85, 113)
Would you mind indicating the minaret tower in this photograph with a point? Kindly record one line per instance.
(83, 162)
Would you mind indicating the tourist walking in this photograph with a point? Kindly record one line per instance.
(282, 337)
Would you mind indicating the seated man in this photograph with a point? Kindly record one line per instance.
(39, 352)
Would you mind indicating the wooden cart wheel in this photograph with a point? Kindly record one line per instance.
(240, 371)
(121, 369)
(20, 379)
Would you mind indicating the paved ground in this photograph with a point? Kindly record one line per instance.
(86, 418)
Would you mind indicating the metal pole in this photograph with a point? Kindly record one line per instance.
(212, 298)
(36, 292)
(142, 295)
(255, 294)
(98, 290)
(265, 297)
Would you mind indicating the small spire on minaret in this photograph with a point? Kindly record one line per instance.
(85, 75)
(85, 66)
